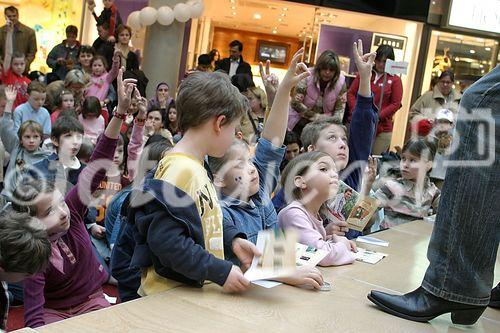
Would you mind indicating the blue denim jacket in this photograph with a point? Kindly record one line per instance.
(259, 214)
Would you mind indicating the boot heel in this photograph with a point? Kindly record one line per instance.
(466, 317)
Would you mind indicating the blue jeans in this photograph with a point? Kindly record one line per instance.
(463, 247)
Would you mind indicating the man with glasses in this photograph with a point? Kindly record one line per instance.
(443, 96)
(234, 64)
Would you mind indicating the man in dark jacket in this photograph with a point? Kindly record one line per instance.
(63, 57)
(234, 64)
(102, 46)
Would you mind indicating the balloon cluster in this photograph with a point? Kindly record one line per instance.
(165, 15)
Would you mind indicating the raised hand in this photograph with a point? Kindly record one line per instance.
(142, 103)
(117, 55)
(296, 72)
(10, 93)
(124, 91)
(364, 62)
(270, 80)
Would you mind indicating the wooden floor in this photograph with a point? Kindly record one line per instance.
(288, 309)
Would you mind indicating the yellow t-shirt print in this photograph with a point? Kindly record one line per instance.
(188, 174)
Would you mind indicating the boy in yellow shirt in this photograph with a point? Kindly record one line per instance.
(176, 217)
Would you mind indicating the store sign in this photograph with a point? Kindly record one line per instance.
(477, 15)
(396, 67)
(398, 43)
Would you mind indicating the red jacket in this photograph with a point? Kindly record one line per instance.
(393, 93)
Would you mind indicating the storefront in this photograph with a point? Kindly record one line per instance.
(284, 25)
(49, 19)
(465, 43)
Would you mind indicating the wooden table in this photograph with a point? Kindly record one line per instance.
(290, 309)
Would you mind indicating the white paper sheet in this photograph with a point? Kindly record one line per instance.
(372, 240)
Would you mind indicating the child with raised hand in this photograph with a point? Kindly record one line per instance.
(412, 196)
(101, 80)
(349, 149)
(65, 102)
(245, 184)
(71, 284)
(119, 175)
(176, 217)
(23, 146)
(14, 66)
(309, 181)
(24, 251)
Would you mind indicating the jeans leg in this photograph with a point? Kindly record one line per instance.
(463, 247)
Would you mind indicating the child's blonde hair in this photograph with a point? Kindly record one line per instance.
(298, 166)
(261, 95)
(30, 125)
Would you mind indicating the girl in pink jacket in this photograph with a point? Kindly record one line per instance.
(309, 181)
(101, 79)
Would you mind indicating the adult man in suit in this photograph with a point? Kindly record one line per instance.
(234, 64)
(24, 39)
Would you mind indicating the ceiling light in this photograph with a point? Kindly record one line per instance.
(285, 9)
(280, 20)
(234, 13)
(233, 7)
(487, 48)
(457, 59)
(257, 16)
(275, 31)
(472, 51)
(283, 14)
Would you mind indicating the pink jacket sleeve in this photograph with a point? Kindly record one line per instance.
(113, 72)
(338, 253)
(135, 147)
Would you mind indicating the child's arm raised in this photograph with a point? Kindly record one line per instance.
(275, 128)
(135, 145)
(95, 171)
(7, 134)
(362, 128)
(115, 67)
(8, 47)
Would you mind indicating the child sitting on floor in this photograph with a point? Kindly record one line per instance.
(24, 251)
(245, 184)
(412, 196)
(23, 146)
(65, 102)
(176, 217)
(71, 284)
(348, 148)
(311, 180)
(91, 118)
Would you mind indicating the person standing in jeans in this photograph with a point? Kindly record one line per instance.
(463, 247)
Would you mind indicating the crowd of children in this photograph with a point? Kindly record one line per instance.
(176, 189)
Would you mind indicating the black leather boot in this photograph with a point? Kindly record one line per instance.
(495, 297)
(422, 306)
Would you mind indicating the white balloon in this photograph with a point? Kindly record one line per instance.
(134, 20)
(182, 12)
(196, 7)
(148, 15)
(165, 15)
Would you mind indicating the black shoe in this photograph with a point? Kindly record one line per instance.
(422, 306)
(495, 297)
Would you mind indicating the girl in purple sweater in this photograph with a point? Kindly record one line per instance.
(71, 284)
(309, 181)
